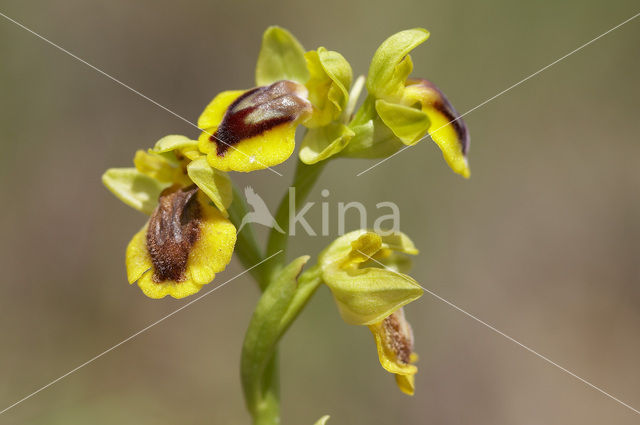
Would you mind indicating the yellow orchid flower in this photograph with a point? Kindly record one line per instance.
(362, 270)
(253, 129)
(394, 340)
(183, 245)
(413, 108)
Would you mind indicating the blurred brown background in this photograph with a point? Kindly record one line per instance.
(542, 242)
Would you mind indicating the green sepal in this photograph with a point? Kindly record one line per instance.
(135, 189)
(321, 143)
(407, 123)
(368, 295)
(391, 64)
(281, 58)
(366, 291)
(214, 183)
(328, 85)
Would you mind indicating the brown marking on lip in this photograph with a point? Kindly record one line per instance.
(174, 227)
(399, 336)
(258, 111)
(445, 107)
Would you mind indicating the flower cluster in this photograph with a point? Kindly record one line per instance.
(183, 186)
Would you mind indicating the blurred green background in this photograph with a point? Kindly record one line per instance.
(542, 242)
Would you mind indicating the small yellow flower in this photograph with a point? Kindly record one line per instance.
(253, 129)
(362, 269)
(394, 340)
(183, 245)
(413, 108)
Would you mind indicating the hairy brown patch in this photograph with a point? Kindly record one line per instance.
(399, 336)
(257, 111)
(173, 229)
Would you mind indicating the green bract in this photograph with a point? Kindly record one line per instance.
(391, 64)
(328, 85)
(281, 58)
(134, 188)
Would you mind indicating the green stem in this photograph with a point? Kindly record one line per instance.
(246, 247)
(366, 112)
(268, 410)
(264, 405)
(303, 181)
(278, 306)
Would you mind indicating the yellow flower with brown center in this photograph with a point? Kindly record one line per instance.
(394, 340)
(253, 129)
(183, 245)
(363, 271)
(413, 108)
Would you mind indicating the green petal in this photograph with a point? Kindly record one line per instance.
(321, 143)
(391, 64)
(399, 242)
(215, 184)
(134, 188)
(394, 262)
(407, 123)
(174, 142)
(339, 249)
(367, 296)
(281, 58)
(347, 246)
(328, 85)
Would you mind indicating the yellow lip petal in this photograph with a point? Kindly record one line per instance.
(209, 255)
(215, 110)
(447, 129)
(268, 149)
(157, 290)
(213, 250)
(386, 355)
(406, 383)
(138, 260)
